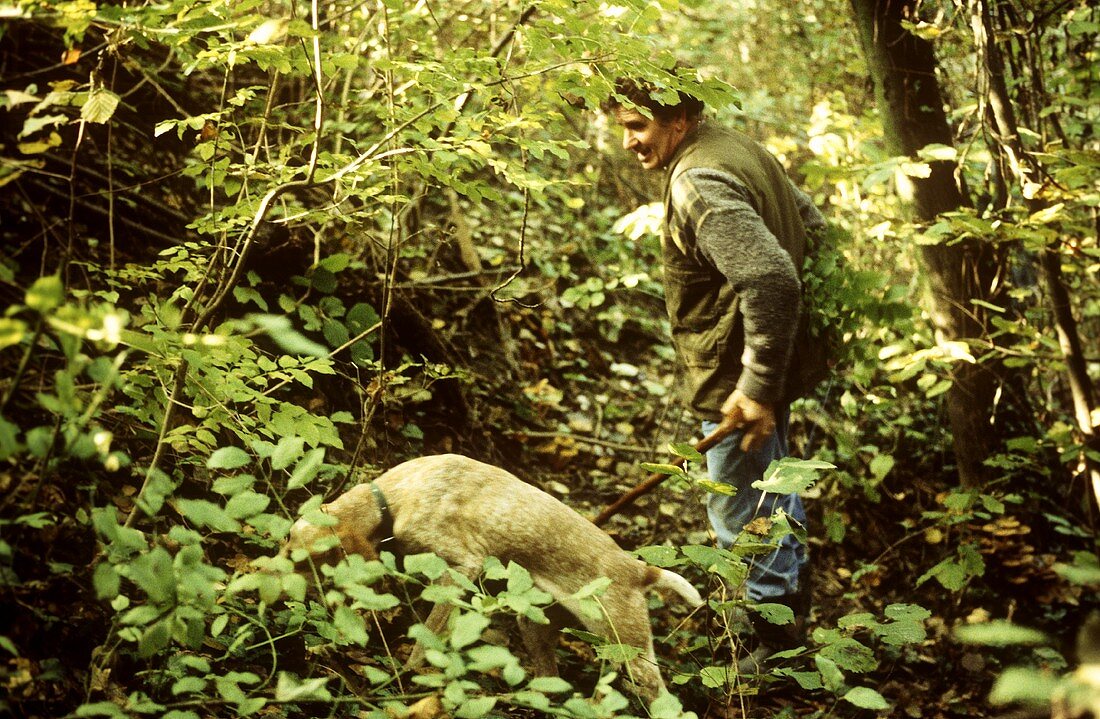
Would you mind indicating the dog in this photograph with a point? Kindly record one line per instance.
(465, 511)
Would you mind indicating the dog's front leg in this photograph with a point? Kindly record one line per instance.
(437, 618)
(437, 623)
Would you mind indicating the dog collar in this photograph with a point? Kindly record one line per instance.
(385, 527)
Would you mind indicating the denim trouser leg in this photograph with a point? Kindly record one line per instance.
(774, 574)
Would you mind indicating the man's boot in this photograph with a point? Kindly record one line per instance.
(774, 638)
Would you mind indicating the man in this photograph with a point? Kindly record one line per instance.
(733, 241)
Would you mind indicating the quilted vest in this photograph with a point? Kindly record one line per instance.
(707, 327)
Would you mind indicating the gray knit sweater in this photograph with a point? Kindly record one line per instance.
(732, 236)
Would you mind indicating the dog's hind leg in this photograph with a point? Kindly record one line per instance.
(625, 620)
(540, 641)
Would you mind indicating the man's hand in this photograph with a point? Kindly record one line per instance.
(757, 420)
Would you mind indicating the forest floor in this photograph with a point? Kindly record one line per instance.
(884, 551)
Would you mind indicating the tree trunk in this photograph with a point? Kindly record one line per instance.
(1027, 172)
(904, 71)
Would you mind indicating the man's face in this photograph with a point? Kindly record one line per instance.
(653, 142)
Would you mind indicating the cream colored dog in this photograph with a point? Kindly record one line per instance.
(465, 511)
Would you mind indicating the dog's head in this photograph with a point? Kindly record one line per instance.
(318, 544)
(342, 528)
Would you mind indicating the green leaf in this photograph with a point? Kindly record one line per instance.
(350, 625)
(881, 466)
(155, 638)
(866, 698)
(722, 488)
(658, 555)
(12, 332)
(292, 689)
(618, 653)
(549, 685)
(791, 475)
(901, 633)
(1049, 214)
(305, 471)
(831, 674)
(207, 514)
(246, 504)
(776, 613)
(809, 681)
(153, 572)
(280, 330)
(141, 615)
(1026, 686)
(596, 587)
(849, 654)
(287, 451)
(718, 677)
(999, 633)
(907, 612)
(228, 458)
(157, 488)
(106, 581)
(937, 152)
(189, 685)
(476, 708)
(100, 106)
(666, 706)
(367, 598)
(669, 469)
(467, 629)
(295, 586)
(45, 294)
(101, 709)
(687, 451)
(36, 122)
(234, 484)
(1084, 571)
(427, 564)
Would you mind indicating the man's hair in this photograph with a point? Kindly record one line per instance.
(641, 93)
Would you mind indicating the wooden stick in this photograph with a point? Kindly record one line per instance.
(656, 478)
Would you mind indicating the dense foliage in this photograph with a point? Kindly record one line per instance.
(254, 253)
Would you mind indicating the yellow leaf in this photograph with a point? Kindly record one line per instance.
(40, 146)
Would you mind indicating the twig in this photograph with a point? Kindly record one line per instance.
(23, 362)
(166, 424)
(522, 262)
(656, 478)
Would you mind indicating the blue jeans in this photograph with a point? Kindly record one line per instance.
(770, 575)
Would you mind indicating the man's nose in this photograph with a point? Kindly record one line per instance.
(628, 139)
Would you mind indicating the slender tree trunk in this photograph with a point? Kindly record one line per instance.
(1027, 173)
(904, 71)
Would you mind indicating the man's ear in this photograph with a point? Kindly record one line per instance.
(681, 122)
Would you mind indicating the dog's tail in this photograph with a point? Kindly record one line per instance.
(670, 584)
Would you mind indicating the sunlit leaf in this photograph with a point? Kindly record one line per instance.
(45, 294)
(100, 106)
(1025, 686)
(999, 633)
(866, 698)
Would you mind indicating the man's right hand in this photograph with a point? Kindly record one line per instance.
(757, 420)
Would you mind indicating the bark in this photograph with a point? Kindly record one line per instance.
(1028, 173)
(903, 68)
